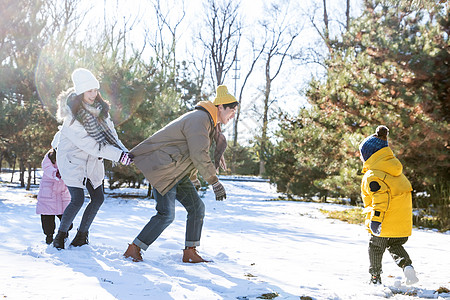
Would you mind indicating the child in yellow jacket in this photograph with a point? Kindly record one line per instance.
(386, 193)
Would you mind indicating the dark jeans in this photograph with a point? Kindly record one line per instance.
(185, 192)
(48, 224)
(377, 246)
(71, 211)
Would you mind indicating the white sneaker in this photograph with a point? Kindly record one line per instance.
(410, 275)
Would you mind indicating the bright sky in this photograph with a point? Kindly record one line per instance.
(286, 88)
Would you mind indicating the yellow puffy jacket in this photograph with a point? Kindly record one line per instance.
(386, 193)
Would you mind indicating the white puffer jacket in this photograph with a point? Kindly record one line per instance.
(78, 155)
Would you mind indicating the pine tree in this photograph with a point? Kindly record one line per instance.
(390, 68)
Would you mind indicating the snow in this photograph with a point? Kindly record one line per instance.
(281, 248)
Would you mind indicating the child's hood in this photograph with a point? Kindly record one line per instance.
(384, 160)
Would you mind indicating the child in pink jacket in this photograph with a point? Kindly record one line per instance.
(53, 196)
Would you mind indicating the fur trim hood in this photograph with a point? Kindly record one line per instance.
(63, 108)
(68, 105)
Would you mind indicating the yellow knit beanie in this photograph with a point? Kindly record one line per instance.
(223, 97)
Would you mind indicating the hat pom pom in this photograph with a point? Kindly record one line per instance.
(382, 132)
(222, 91)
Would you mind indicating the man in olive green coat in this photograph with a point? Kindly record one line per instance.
(169, 159)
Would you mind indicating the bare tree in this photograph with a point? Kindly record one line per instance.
(115, 39)
(164, 44)
(64, 17)
(222, 37)
(63, 20)
(324, 31)
(256, 55)
(280, 39)
(198, 68)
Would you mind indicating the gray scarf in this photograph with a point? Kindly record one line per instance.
(95, 126)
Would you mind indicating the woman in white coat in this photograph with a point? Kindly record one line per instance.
(86, 137)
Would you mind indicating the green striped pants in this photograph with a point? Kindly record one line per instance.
(377, 246)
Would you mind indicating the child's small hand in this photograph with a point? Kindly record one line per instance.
(375, 227)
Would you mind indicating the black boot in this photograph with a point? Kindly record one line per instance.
(49, 239)
(59, 240)
(80, 239)
(375, 279)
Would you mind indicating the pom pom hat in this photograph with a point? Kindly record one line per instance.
(373, 143)
(84, 80)
(223, 97)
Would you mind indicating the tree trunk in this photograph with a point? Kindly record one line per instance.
(30, 171)
(12, 171)
(22, 172)
(347, 15)
(262, 151)
(325, 21)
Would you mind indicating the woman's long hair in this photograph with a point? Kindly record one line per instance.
(74, 104)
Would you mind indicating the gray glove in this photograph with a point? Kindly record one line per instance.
(375, 227)
(219, 190)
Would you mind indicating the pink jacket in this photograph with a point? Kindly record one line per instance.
(53, 196)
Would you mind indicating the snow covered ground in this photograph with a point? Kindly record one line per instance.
(259, 248)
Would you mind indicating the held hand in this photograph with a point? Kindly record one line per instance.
(375, 227)
(196, 184)
(219, 190)
(222, 163)
(125, 159)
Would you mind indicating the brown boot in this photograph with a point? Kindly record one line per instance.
(190, 255)
(134, 252)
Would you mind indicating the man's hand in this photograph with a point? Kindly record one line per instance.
(219, 190)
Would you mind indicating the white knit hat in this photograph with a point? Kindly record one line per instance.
(84, 80)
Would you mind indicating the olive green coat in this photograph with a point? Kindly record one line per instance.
(179, 149)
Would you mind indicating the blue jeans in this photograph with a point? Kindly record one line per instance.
(77, 194)
(185, 192)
